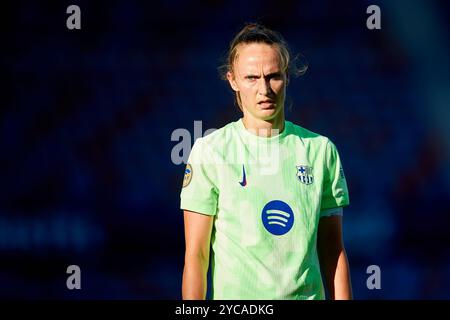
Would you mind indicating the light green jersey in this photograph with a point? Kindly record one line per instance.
(267, 196)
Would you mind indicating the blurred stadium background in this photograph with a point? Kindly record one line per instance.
(86, 117)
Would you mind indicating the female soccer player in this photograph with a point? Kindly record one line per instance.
(262, 196)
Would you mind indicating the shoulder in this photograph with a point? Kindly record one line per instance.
(214, 142)
(308, 137)
(219, 136)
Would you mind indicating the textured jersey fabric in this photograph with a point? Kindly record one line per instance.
(266, 196)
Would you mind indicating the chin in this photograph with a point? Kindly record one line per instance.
(268, 114)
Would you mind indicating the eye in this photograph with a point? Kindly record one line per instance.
(276, 76)
(251, 78)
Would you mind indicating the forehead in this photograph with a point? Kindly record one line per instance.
(254, 56)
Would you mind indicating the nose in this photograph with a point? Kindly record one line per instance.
(264, 86)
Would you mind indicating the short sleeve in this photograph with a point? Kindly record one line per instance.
(199, 192)
(334, 188)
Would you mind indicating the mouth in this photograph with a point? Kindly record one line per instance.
(267, 104)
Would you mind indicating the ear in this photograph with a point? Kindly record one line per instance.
(232, 81)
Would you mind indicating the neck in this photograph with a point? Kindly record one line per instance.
(264, 128)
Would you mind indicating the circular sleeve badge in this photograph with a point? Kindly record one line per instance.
(187, 175)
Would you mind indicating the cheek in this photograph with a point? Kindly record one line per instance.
(248, 90)
(279, 87)
(248, 86)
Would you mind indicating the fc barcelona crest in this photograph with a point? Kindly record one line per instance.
(187, 175)
(304, 174)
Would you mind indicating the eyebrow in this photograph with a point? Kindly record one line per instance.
(270, 75)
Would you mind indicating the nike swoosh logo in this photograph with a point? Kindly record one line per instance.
(244, 180)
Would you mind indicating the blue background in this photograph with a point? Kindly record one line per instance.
(86, 119)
